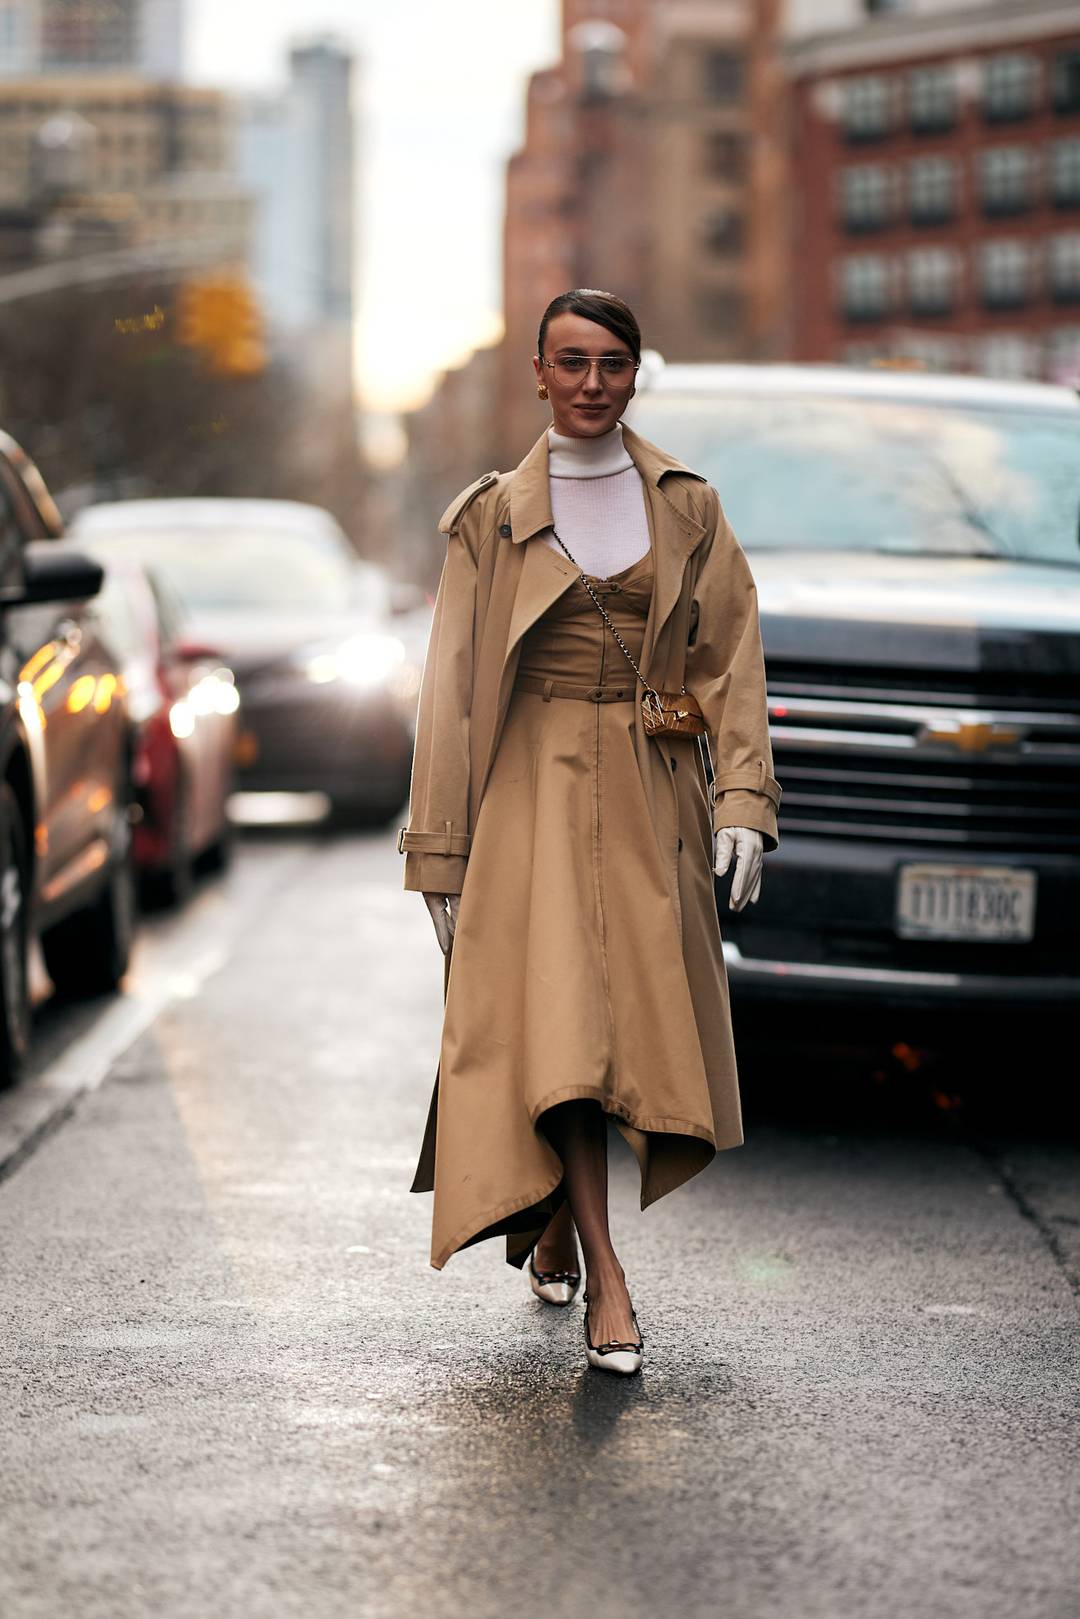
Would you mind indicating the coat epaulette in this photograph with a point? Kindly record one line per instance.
(452, 516)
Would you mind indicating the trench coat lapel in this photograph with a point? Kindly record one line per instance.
(674, 534)
(545, 573)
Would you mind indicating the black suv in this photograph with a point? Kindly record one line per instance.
(915, 544)
(65, 768)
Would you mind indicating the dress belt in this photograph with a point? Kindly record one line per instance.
(548, 689)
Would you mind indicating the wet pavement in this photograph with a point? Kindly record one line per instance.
(231, 1385)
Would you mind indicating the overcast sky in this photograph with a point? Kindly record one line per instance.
(440, 107)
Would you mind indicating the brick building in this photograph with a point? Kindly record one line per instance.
(936, 189)
(653, 166)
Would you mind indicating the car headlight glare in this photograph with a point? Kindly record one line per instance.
(364, 661)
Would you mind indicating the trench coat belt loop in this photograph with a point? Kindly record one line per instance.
(564, 688)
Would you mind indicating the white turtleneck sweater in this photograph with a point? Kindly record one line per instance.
(597, 502)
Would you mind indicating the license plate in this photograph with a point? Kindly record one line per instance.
(965, 902)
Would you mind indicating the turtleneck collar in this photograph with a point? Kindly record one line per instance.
(600, 457)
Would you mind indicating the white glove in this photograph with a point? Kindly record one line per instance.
(444, 911)
(748, 848)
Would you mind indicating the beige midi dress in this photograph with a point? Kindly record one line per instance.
(572, 977)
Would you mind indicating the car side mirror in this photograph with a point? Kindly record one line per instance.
(53, 572)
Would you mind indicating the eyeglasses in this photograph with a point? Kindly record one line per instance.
(570, 369)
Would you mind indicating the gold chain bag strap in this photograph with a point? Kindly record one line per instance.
(663, 713)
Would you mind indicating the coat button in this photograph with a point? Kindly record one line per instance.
(596, 695)
(506, 531)
(615, 589)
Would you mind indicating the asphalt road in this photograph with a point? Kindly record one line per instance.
(231, 1386)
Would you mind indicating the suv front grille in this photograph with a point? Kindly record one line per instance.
(926, 769)
(1057, 692)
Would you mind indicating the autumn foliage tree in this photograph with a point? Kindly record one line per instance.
(162, 390)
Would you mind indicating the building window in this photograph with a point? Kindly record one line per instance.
(867, 108)
(725, 154)
(1010, 356)
(1010, 87)
(1065, 268)
(1065, 173)
(723, 76)
(1006, 274)
(1063, 357)
(721, 311)
(933, 277)
(723, 231)
(864, 286)
(1067, 81)
(931, 98)
(1007, 179)
(931, 352)
(865, 202)
(932, 190)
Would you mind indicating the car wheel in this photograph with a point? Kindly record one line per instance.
(14, 886)
(217, 856)
(374, 813)
(172, 885)
(88, 953)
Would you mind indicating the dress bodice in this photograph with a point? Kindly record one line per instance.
(571, 642)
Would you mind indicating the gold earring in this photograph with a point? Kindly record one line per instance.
(541, 392)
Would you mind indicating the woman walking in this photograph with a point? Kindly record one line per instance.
(595, 615)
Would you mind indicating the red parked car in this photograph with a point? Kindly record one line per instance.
(183, 704)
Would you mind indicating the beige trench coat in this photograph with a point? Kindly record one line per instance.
(702, 628)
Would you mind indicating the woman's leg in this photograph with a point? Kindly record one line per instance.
(578, 1132)
(557, 1248)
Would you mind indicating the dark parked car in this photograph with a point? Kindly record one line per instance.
(915, 544)
(66, 791)
(182, 702)
(328, 692)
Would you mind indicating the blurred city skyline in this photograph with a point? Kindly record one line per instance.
(439, 108)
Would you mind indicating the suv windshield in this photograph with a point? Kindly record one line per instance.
(265, 570)
(821, 472)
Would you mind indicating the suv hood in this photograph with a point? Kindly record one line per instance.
(949, 612)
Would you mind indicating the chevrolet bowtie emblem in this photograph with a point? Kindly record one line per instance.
(970, 736)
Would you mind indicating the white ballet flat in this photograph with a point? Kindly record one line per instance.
(623, 1359)
(554, 1286)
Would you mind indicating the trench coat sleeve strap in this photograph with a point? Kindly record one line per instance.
(725, 671)
(436, 841)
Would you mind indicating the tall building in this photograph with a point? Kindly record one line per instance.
(20, 37)
(936, 188)
(296, 153)
(85, 36)
(653, 166)
(124, 160)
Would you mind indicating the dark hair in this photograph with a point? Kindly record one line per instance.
(602, 307)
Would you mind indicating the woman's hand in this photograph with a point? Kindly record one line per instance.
(444, 910)
(748, 848)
